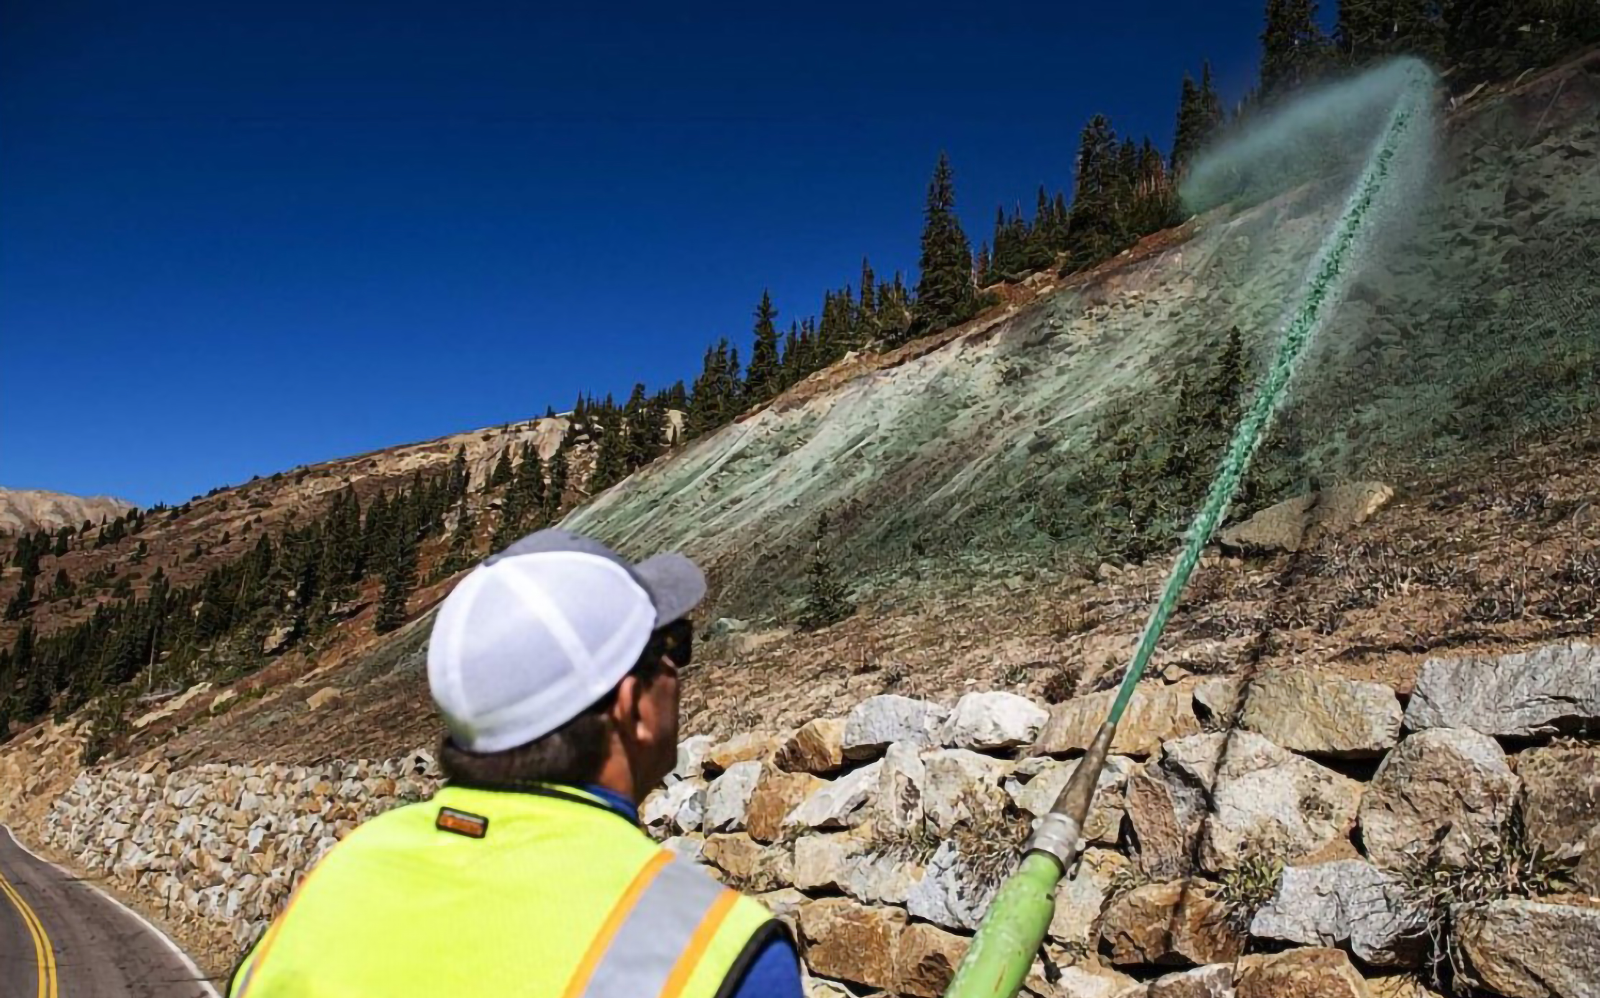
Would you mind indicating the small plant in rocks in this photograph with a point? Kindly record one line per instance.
(1248, 886)
(1433, 893)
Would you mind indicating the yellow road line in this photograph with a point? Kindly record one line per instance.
(43, 952)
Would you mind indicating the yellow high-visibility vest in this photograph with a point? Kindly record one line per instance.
(480, 892)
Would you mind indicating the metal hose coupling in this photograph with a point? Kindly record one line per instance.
(1059, 833)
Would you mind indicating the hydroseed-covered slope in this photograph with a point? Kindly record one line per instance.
(1071, 427)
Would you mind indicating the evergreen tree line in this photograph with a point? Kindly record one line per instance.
(281, 591)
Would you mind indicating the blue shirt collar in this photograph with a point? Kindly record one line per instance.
(613, 800)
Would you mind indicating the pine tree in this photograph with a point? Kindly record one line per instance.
(502, 470)
(1095, 226)
(63, 587)
(867, 306)
(646, 428)
(984, 266)
(556, 488)
(1186, 136)
(827, 599)
(21, 600)
(945, 291)
(1293, 49)
(762, 379)
(460, 477)
(399, 579)
(1042, 239)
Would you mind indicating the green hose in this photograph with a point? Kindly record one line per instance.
(1014, 927)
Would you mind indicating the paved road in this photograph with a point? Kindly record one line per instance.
(61, 938)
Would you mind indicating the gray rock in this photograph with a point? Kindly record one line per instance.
(1546, 691)
(689, 847)
(1304, 711)
(947, 895)
(962, 786)
(1240, 793)
(1035, 784)
(728, 797)
(1560, 797)
(1444, 792)
(902, 782)
(1526, 949)
(852, 863)
(993, 720)
(678, 808)
(1345, 901)
(1080, 898)
(840, 804)
(879, 721)
(1155, 714)
(1296, 522)
(691, 758)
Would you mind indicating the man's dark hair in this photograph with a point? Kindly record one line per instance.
(574, 752)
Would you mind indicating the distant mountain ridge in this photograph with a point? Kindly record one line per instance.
(30, 509)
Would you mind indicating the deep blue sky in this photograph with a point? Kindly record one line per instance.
(237, 237)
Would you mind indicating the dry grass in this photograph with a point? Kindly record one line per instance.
(1509, 866)
(1062, 683)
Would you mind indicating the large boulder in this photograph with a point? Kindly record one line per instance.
(1241, 794)
(837, 804)
(1300, 973)
(754, 746)
(1169, 923)
(1443, 792)
(926, 960)
(1546, 691)
(1526, 949)
(902, 786)
(1560, 796)
(954, 891)
(852, 942)
(993, 720)
(728, 797)
(1295, 523)
(1155, 714)
(1211, 981)
(818, 747)
(747, 864)
(677, 809)
(776, 794)
(877, 722)
(691, 758)
(962, 787)
(857, 864)
(1345, 901)
(1035, 783)
(1305, 711)
(1081, 897)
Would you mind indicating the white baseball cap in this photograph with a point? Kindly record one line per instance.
(543, 630)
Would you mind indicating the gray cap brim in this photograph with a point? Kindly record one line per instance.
(675, 584)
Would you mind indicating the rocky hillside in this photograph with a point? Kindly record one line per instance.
(30, 509)
(1282, 832)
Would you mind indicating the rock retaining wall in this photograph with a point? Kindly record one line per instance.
(1249, 838)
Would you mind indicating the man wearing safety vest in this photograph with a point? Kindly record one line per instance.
(555, 667)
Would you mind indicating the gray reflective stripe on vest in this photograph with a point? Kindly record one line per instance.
(655, 934)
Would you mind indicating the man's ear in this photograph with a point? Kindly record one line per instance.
(625, 708)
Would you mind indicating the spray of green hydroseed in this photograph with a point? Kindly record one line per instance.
(1301, 130)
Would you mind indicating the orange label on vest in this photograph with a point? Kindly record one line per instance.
(473, 826)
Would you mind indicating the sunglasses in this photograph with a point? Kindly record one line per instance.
(674, 642)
